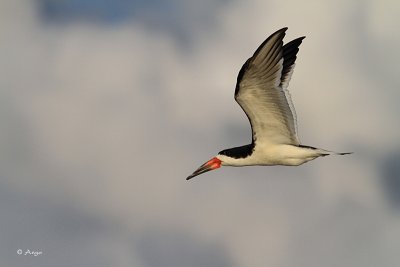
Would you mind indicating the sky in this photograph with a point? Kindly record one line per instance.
(107, 106)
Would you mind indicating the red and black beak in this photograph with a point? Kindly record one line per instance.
(210, 165)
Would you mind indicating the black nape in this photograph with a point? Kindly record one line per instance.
(238, 152)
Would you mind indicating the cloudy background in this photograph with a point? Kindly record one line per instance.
(106, 106)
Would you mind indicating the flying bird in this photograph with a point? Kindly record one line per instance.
(261, 91)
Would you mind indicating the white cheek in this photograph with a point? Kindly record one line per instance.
(224, 160)
(227, 161)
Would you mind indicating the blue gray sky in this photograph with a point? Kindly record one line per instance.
(107, 106)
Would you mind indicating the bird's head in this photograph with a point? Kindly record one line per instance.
(210, 165)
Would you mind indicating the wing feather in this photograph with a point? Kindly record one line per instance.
(261, 90)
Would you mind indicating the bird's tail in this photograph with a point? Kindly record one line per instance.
(319, 152)
(324, 152)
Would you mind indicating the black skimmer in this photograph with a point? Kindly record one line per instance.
(261, 91)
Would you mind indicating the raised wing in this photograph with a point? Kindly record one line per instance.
(261, 90)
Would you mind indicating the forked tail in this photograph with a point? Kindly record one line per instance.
(323, 152)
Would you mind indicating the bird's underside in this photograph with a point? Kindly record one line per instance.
(273, 154)
(261, 91)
